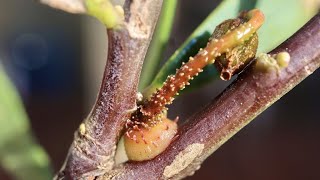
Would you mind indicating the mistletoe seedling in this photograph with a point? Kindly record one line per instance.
(232, 46)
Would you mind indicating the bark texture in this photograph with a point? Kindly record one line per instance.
(92, 151)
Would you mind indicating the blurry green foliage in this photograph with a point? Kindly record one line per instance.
(19, 152)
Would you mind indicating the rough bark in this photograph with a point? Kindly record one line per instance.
(92, 151)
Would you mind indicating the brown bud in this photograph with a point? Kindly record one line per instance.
(235, 59)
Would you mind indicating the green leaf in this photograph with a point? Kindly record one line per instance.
(20, 154)
(158, 43)
(247, 5)
(111, 16)
(283, 19)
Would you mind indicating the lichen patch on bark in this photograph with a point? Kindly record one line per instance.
(183, 160)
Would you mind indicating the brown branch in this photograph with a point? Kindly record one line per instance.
(241, 102)
(92, 151)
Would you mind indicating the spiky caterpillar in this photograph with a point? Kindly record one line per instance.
(195, 65)
(149, 132)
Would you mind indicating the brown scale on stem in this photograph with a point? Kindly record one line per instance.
(233, 43)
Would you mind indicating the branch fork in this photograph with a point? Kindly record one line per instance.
(91, 155)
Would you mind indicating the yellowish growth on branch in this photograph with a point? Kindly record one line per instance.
(267, 63)
(146, 143)
(111, 16)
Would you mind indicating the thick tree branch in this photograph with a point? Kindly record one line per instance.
(93, 149)
(241, 102)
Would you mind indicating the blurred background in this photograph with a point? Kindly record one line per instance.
(56, 61)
